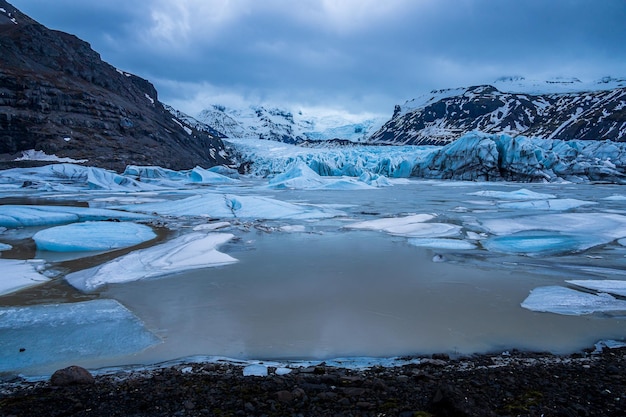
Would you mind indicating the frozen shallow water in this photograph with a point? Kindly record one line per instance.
(414, 267)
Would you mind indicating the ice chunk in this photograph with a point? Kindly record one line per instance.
(5, 246)
(557, 204)
(18, 274)
(390, 222)
(541, 243)
(607, 226)
(454, 244)
(521, 194)
(191, 251)
(298, 176)
(293, 229)
(26, 215)
(92, 236)
(203, 176)
(217, 205)
(566, 301)
(255, 370)
(64, 333)
(611, 286)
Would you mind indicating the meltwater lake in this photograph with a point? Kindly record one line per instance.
(412, 268)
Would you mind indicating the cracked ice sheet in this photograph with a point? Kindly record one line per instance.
(611, 286)
(27, 215)
(92, 236)
(187, 252)
(18, 274)
(567, 301)
(234, 206)
(409, 226)
(59, 333)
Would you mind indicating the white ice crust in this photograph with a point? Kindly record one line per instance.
(19, 274)
(190, 251)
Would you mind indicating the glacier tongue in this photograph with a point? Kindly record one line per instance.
(474, 156)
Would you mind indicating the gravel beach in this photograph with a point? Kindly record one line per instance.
(505, 384)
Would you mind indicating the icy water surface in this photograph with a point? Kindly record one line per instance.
(415, 268)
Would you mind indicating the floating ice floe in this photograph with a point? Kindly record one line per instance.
(567, 301)
(27, 215)
(442, 243)
(216, 205)
(5, 246)
(541, 243)
(605, 227)
(63, 333)
(610, 286)
(556, 204)
(521, 194)
(92, 236)
(409, 226)
(190, 251)
(18, 274)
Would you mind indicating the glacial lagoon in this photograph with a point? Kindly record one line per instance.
(306, 272)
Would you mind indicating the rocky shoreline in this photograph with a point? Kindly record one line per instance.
(506, 384)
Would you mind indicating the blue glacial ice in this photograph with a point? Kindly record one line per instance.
(186, 252)
(27, 215)
(541, 243)
(300, 176)
(568, 301)
(19, 274)
(92, 236)
(164, 177)
(442, 243)
(64, 333)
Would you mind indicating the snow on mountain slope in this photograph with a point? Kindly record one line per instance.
(282, 125)
(566, 109)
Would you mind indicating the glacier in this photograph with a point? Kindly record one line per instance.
(473, 157)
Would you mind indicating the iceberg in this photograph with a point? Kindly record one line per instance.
(300, 176)
(92, 236)
(190, 251)
(18, 274)
(57, 334)
(26, 215)
(567, 301)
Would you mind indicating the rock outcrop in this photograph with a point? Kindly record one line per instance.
(59, 97)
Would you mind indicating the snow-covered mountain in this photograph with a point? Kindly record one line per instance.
(282, 125)
(554, 109)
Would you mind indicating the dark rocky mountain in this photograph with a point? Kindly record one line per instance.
(446, 115)
(59, 97)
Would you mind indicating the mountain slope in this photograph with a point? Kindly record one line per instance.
(59, 97)
(286, 126)
(445, 115)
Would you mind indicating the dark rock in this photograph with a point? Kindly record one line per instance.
(72, 375)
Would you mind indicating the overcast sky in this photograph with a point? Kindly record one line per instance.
(356, 56)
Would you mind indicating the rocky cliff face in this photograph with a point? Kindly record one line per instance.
(449, 114)
(59, 97)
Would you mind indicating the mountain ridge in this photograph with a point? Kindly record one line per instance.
(57, 96)
(442, 116)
